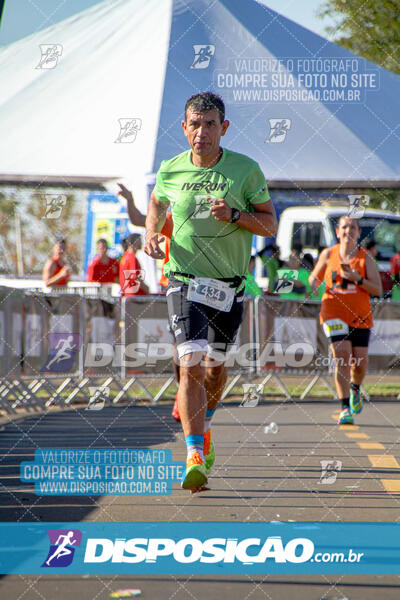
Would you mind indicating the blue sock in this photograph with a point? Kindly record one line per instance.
(209, 416)
(194, 443)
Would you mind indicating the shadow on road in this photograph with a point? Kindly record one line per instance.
(112, 427)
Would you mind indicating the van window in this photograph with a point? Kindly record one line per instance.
(384, 230)
(309, 235)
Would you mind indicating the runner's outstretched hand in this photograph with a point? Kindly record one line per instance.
(152, 244)
(124, 192)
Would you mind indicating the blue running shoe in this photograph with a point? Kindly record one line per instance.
(346, 417)
(356, 401)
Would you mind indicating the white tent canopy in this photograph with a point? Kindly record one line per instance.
(135, 60)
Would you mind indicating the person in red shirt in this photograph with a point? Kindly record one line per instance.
(130, 271)
(56, 271)
(103, 268)
(395, 267)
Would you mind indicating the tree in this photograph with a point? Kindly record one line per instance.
(39, 231)
(8, 255)
(384, 199)
(44, 231)
(368, 28)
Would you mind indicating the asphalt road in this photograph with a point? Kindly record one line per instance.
(258, 477)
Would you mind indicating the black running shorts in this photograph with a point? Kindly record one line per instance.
(203, 325)
(357, 337)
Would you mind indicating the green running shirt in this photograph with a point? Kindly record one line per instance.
(201, 245)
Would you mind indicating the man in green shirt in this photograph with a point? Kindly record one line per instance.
(219, 199)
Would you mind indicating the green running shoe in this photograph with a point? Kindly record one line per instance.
(346, 417)
(356, 401)
(209, 452)
(195, 476)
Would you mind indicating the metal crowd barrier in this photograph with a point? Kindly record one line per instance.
(60, 348)
(286, 325)
(291, 323)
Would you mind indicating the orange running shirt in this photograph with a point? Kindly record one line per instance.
(344, 299)
(59, 266)
(130, 286)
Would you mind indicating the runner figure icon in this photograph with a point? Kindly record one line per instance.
(62, 549)
(64, 348)
(202, 55)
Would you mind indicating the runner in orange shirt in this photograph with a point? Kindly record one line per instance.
(351, 276)
(56, 271)
(130, 272)
(139, 219)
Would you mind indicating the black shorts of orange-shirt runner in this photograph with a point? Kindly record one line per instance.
(358, 337)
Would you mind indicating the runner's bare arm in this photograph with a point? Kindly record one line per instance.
(135, 216)
(154, 223)
(372, 282)
(48, 273)
(318, 272)
(261, 222)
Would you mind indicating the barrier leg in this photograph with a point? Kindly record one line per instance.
(22, 398)
(266, 379)
(309, 387)
(330, 388)
(39, 383)
(324, 380)
(4, 392)
(365, 393)
(99, 392)
(164, 388)
(56, 396)
(144, 388)
(279, 383)
(282, 386)
(124, 390)
(27, 395)
(230, 386)
(76, 391)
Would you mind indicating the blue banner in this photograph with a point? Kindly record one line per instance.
(201, 548)
(107, 218)
(102, 472)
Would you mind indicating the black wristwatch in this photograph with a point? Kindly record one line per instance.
(235, 215)
(360, 281)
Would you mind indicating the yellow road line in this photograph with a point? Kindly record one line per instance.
(378, 461)
(371, 446)
(384, 461)
(391, 485)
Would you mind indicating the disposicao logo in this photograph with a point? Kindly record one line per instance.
(190, 550)
(62, 550)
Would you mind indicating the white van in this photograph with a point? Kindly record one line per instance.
(313, 228)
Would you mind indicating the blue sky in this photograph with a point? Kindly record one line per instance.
(23, 17)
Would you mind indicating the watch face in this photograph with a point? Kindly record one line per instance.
(235, 215)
